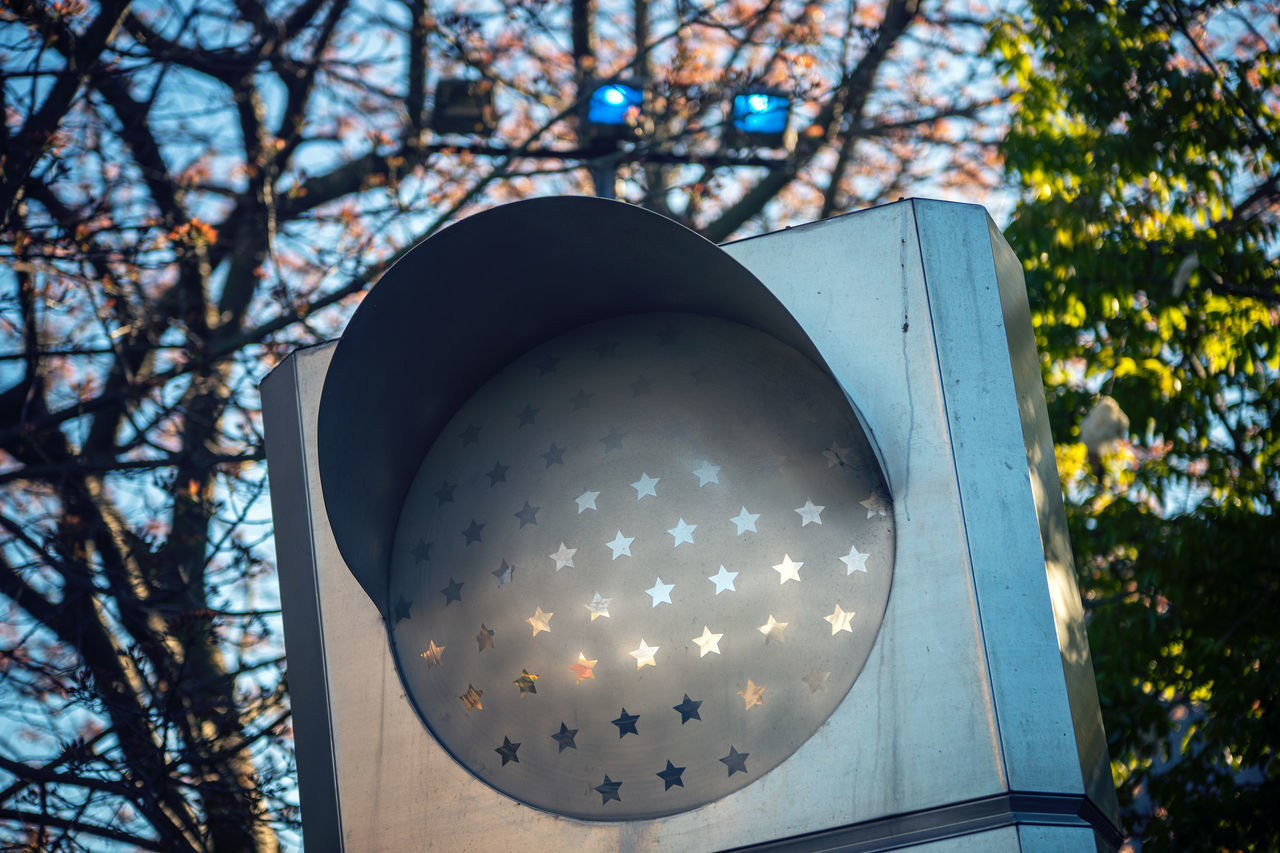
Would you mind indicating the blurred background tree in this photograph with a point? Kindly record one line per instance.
(1146, 146)
(190, 190)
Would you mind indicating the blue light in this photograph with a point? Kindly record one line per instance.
(759, 113)
(611, 103)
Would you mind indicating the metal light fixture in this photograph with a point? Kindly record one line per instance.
(464, 107)
(758, 117)
(615, 109)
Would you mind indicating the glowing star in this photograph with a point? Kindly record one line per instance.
(584, 668)
(484, 639)
(472, 699)
(723, 580)
(644, 486)
(432, 654)
(708, 473)
(621, 545)
(599, 606)
(682, 532)
(810, 514)
(873, 506)
(855, 561)
(526, 682)
(752, 694)
(708, 642)
(563, 557)
(660, 592)
(746, 521)
(816, 680)
(773, 629)
(840, 620)
(540, 621)
(586, 500)
(788, 569)
(644, 655)
(836, 455)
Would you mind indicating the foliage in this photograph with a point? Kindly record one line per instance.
(1146, 144)
(192, 189)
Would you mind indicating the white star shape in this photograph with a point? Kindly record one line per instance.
(773, 629)
(788, 569)
(874, 506)
(723, 580)
(586, 500)
(836, 455)
(621, 545)
(708, 473)
(682, 532)
(855, 561)
(540, 620)
(708, 642)
(810, 513)
(746, 521)
(563, 557)
(661, 592)
(840, 620)
(644, 486)
(644, 655)
(599, 606)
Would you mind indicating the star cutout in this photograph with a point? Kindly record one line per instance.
(599, 606)
(708, 473)
(608, 790)
(605, 349)
(836, 455)
(723, 580)
(735, 761)
(472, 699)
(444, 495)
(586, 500)
(528, 515)
(547, 365)
(810, 514)
(473, 532)
(626, 724)
(526, 682)
(816, 680)
(644, 486)
(621, 545)
(708, 642)
(746, 521)
(660, 592)
(484, 639)
(642, 385)
(498, 474)
(682, 532)
(752, 694)
(613, 441)
(527, 415)
(422, 551)
(402, 608)
(507, 751)
(563, 557)
(584, 668)
(581, 400)
(504, 573)
(432, 654)
(773, 629)
(644, 655)
(688, 709)
(873, 506)
(554, 455)
(788, 569)
(671, 776)
(565, 737)
(452, 592)
(840, 620)
(470, 435)
(855, 561)
(540, 621)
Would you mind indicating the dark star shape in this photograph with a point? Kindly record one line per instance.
(503, 573)
(445, 493)
(643, 385)
(470, 435)
(485, 637)
(528, 415)
(581, 400)
(735, 761)
(671, 776)
(402, 608)
(547, 365)
(606, 349)
(528, 515)
(609, 790)
(626, 724)
(554, 456)
(613, 441)
(565, 737)
(507, 751)
(473, 532)
(498, 474)
(688, 709)
(422, 551)
(452, 592)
